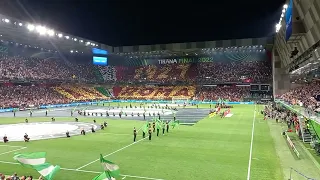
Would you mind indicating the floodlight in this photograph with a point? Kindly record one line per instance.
(71, 51)
(93, 44)
(285, 6)
(81, 41)
(75, 39)
(88, 43)
(20, 24)
(6, 20)
(50, 32)
(60, 35)
(41, 30)
(30, 27)
(67, 37)
(283, 10)
(282, 15)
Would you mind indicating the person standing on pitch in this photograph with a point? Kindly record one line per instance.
(150, 133)
(143, 134)
(154, 126)
(134, 134)
(167, 125)
(163, 128)
(158, 129)
(46, 113)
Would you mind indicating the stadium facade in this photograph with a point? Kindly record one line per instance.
(296, 45)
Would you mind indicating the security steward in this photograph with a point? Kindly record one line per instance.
(134, 134)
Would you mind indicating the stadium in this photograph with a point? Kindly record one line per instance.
(72, 108)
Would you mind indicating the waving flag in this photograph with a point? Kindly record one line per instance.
(37, 161)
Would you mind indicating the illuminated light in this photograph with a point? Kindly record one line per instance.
(60, 35)
(67, 37)
(283, 10)
(20, 24)
(75, 39)
(50, 32)
(6, 20)
(81, 41)
(76, 51)
(30, 27)
(88, 43)
(71, 51)
(41, 30)
(285, 6)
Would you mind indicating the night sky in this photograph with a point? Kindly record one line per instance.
(135, 22)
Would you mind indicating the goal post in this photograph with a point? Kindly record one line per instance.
(180, 100)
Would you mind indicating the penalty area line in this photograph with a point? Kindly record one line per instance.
(111, 153)
(93, 172)
(251, 143)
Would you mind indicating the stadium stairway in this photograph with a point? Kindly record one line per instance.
(307, 137)
(103, 91)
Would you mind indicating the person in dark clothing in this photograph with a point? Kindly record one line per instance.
(14, 113)
(83, 132)
(102, 127)
(163, 128)
(158, 130)
(26, 120)
(5, 139)
(143, 134)
(53, 119)
(26, 137)
(144, 116)
(67, 134)
(105, 124)
(71, 113)
(167, 126)
(92, 129)
(46, 112)
(94, 121)
(150, 133)
(76, 119)
(154, 126)
(134, 134)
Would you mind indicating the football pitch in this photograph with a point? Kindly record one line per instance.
(233, 148)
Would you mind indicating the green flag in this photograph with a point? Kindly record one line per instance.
(109, 167)
(174, 123)
(103, 176)
(37, 161)
(145, 127)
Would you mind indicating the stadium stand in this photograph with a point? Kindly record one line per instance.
(230, 93)
(304, 95)
(29, 96)
(143, 92)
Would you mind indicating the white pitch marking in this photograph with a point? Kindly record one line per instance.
(10, 146)
(110, 154)
(124, 177)
(94, 172)
(12, 151)
(251, 144)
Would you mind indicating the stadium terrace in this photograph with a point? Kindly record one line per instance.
(227, 109)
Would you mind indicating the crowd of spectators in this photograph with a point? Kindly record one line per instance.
(304, 95)
(235, 71)
(16, 177)
(23, 68)
(29, 96)
(228, 93)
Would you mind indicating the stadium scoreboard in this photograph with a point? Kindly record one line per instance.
(99, 57)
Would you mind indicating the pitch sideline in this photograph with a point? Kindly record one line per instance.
(251, 143)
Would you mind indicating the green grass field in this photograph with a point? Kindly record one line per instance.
(214, 148)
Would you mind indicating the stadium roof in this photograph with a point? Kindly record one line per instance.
(42, 37)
